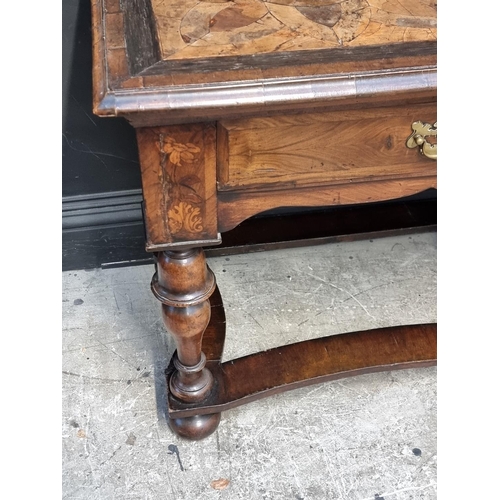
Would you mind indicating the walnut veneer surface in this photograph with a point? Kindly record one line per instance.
(247, 105)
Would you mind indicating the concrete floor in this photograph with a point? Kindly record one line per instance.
(364, 438)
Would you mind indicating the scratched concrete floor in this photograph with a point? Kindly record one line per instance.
(368, 437)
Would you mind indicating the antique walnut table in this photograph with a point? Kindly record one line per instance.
(249, 105)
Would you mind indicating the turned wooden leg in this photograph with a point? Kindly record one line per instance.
(184, 284)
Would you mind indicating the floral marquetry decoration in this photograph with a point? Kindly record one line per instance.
(178, 166)
(177, 152)
(179, 161)
(184, 216)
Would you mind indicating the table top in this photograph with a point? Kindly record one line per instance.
(185, 60)
(217, 33)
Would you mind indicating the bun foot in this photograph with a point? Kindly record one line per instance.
(195, 428)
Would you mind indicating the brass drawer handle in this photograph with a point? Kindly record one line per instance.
(420, 132)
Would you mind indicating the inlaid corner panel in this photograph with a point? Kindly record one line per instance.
(178, 177)
(190, 29)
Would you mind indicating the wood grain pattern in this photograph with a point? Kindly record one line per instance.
(235, 207)
(99, 66)
(191, 29)
(132, 79)
(140, 32)
(320, 149)
(183, 283)
(178, 177)
(264, 374)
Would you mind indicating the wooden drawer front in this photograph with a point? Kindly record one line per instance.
(321, 148)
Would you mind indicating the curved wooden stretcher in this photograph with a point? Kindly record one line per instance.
(281, 369)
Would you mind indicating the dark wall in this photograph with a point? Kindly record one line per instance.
(101, 185)
(99, 154)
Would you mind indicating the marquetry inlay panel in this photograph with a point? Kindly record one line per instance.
(190, 29)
